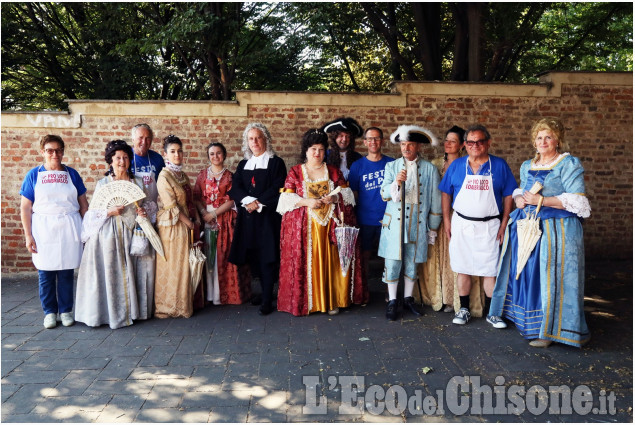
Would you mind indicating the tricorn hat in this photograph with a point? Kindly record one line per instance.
(413, 133)
(344, 124)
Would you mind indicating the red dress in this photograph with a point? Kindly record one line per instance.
(234, 287)
(301, 284)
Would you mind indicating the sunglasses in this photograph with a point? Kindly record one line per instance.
(475, 142)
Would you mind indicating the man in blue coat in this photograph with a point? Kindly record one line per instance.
(419, 210)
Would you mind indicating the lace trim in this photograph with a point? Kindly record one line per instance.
(287, 202)
(551, 164)
(577, 204)
(517, 192)
(395, 191)
(151, 208)
(348, 196)
(92, 222)
(170, 212)
(309, 264)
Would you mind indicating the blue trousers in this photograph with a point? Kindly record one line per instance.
(56, 297)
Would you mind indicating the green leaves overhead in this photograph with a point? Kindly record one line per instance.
(57, 51)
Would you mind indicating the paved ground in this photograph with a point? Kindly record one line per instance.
(227, 364)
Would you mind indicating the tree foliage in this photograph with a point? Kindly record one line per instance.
(175, 50)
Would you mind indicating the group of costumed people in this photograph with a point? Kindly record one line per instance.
(445, 227)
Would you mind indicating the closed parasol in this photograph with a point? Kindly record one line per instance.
(528, 233)
(151, 234)
(197, 260)
(346, 237)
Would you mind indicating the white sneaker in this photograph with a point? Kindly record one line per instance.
(50, 321)
(496, 321)
(67, 319)
(462, 316)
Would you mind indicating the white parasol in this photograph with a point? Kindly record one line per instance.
(151, 234)
(197, 260)
(528, 233)
(346, 237)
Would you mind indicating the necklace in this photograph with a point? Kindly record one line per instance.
(544, 163)
(318, 167)
(216, 174)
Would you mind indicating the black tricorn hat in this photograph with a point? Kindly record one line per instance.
(413, 133)
(347, 124)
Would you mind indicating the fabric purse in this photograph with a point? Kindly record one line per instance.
(139, 245)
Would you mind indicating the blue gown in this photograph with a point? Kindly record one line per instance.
(547, 300)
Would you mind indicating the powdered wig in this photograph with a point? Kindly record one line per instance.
(260, 127)
(556, 128)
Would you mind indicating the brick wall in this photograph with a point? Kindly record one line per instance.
(595, 107)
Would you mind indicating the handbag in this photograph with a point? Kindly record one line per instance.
(139, 246)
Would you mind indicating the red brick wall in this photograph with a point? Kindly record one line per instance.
(598, 119)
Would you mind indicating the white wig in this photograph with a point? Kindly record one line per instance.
(413, 133)
(261, 127)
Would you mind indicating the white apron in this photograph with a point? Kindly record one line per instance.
(473, 247)
(56, 224)
(149, 181)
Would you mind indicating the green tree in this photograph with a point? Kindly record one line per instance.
(57, 51)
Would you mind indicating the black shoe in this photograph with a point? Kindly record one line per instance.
(256, 299)
(265, 309)
(391, 310)
(409, 304)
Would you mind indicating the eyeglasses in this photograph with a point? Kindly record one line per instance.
(373, 139)
(475, 142)
(59, 151)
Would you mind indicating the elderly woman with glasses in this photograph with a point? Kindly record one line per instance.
(53, 202)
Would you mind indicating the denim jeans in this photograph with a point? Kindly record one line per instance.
(56, 297)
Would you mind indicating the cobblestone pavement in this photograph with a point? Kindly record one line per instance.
(227, 364)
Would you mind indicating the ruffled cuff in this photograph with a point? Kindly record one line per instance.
(395, 191)
(577, 204)
(151, 210)
(347, 196)
(92, 222)
(287, 202)
(517, 192)
(168, 217)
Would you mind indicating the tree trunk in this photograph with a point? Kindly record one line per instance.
(474, 29)
(428, 23)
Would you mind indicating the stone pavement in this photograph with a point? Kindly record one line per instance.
(227, 364)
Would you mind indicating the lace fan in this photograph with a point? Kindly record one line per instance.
(116, 193)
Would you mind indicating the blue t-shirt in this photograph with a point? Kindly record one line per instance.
(502, 178)
(365, 178)
(152, 162)
(28, 185)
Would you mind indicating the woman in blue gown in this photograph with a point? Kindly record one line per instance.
(546, 302)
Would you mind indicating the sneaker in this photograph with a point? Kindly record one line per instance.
(67, 319)
(462, 317)
(496, 321)
(50, 321)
